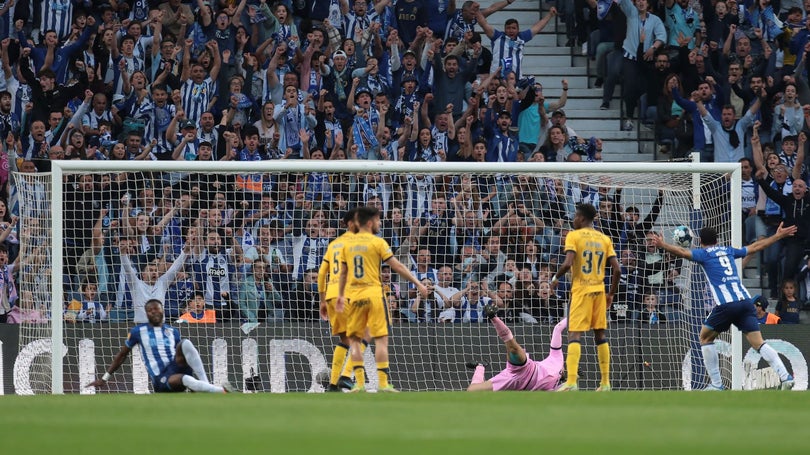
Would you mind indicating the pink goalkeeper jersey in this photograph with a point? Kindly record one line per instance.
(532, 375)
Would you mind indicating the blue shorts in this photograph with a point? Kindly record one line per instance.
(742, 314)
(161, 381)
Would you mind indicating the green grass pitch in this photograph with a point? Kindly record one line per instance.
(768, 422)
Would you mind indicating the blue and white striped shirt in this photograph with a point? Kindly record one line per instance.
(721, 272)
(212, 273)
(196, 98)
(57, 15)
(508, 52)
(457, 27)
(158, 345)
(354, 26)
(91, 119)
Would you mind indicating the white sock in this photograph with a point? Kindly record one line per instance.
(712, 362)
(200, 386)
(772, 357)
(193, 360)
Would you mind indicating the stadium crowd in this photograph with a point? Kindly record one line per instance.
(412, 80)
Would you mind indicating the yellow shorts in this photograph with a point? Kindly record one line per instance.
(366, 308)
(336, 320)
(588, 311)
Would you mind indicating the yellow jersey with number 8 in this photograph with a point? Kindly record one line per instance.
(363, 254)
(591, 249)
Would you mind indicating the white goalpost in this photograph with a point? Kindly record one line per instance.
(255, 233)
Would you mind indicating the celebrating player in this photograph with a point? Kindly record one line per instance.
(170, 360)
(521, 372)
(587, 253)
(328, 291)
(733, 303)
(151, 285)
(363, 253)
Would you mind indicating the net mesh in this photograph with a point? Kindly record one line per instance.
(476, 236)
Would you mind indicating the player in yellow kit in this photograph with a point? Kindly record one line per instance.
(361, 258)
(587, 254)
(328, 278)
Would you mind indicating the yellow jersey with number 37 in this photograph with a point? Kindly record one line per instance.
(592, 250)
(363, 254)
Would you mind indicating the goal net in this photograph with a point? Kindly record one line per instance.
(254, 234)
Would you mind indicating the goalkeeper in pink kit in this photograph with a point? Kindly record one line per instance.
(521, 372)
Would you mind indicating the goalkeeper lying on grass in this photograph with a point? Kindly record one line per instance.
(521, 372)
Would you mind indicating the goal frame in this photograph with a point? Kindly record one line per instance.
(355, 166)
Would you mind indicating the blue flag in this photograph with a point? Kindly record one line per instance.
(602, 8)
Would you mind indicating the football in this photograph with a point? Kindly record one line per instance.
(682, 236)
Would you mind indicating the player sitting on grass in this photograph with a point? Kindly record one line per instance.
(170, 360)
(521, 372)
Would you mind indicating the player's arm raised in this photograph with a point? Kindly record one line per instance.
(116, 364)
(658, 242)
(781, 232)
(403, 271)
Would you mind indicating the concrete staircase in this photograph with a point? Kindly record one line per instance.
(550, 61)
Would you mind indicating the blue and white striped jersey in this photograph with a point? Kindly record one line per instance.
(213, 272)
(508, 52)
(196, 97)
(158, 345)
(721, 272)
(57, 15)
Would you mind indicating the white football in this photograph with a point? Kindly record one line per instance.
(682, 236)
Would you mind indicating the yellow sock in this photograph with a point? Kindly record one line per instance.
(382, 374)
(338, 359)
(572, 362)
(360, 375)
(347, 368)
(603, 354)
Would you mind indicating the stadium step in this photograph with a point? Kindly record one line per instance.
(548, 59)
(545, 61)
(526, 18)
(546, 51)
(555, 82)
(588, 113)
(538, 67)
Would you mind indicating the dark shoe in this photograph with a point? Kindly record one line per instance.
(345, 383)
(490, 310)
(604, 106)
(333, 388)
(474, 365)
(599, 82)
(253, 383)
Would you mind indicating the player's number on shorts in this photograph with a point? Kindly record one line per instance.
(726, 263)
(335, 264)
(359, 271)
(588, 255)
